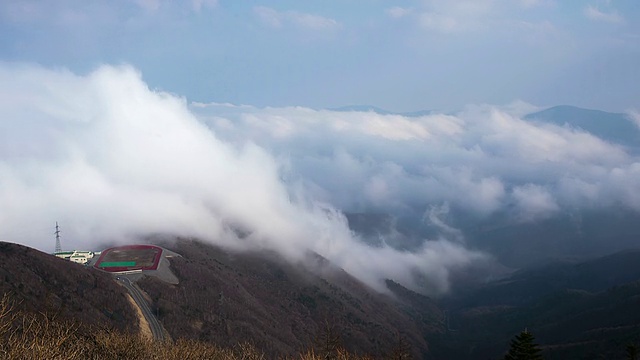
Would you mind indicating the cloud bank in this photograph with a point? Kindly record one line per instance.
(482, 160)
(112, 160)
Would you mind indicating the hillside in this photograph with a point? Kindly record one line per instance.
(584, 309)
(576, 309)
(225, 298)
(580, 234)
(612, 127)
(380, 111)
(41, 283)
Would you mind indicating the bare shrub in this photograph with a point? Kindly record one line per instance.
(42, 336)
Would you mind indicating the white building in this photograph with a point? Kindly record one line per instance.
(76, 256)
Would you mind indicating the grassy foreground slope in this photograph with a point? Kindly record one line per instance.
(28, 336)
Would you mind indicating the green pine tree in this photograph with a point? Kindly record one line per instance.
(523, 348)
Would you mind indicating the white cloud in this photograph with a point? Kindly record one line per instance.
(465, 16)
(277, 19)
(311, 21)
(530, 3)
(596, 14)
(634, 116)
(112, 160)
(268, 16)
(198, 5)
(148, 5)
(397, 12)
(536, 3)
(534, 202)
(475, 160)
(451, 16)
(439, 22)
(519, 108)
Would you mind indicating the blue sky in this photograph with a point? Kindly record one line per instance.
(399, 55)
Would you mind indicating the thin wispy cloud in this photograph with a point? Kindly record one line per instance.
(199, 5)
(149, 5)
(440, 22)
(278, 19)
(454, 16)
(535, 3)
(461, 16)
(611, 16)
(152, 6)
(398, 12)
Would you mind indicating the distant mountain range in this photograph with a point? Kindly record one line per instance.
(577, 310)
(612, 127)
(377, 110)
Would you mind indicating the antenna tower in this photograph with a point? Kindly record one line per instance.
(58, 245)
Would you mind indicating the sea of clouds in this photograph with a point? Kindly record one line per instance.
(113, 161)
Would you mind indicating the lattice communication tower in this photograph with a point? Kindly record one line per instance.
(58, 245)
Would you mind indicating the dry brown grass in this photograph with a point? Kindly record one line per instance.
(339, 354)
(40, 336)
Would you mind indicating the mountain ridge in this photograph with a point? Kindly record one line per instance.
(613, 127)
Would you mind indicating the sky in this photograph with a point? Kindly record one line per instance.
(212, 120)
(399, 55)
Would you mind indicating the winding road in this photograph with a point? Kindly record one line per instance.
(156, 328)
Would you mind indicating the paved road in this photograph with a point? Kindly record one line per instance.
(156, 329)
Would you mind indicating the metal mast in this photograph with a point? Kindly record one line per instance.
(58, 245)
